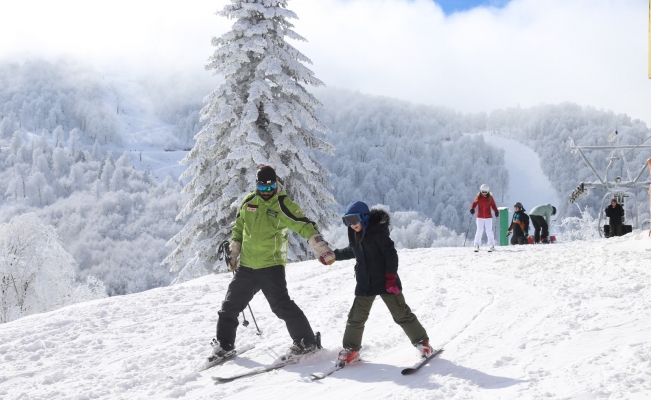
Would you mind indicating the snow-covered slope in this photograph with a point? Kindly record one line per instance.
(143, 133)
(569, 320)
(527, 182)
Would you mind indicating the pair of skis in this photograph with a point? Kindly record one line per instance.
(315, 376)
(407, 371)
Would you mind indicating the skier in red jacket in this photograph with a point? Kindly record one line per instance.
(484, 202)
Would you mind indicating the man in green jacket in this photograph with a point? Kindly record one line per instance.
(260, 240)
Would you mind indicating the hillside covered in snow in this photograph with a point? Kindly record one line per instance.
(563, 321)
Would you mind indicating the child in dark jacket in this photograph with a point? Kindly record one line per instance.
(376, 272)
(519, 225)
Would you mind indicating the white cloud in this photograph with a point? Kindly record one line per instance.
(592, 52)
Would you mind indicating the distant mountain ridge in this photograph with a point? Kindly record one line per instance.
(424, 163)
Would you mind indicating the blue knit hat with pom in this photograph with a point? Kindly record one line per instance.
(359, 207)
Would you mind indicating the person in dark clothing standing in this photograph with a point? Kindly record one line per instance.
(259, 240)
(614, 212)
(376, 272)
(519, 225)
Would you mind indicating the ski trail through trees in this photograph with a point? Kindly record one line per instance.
(527, 182)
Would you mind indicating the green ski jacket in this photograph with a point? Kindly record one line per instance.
(262, 228)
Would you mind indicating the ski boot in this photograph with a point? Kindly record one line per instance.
(424, 349)
(299, 348)
(346, 356)
(476, 248)
(220, 352)
(490, 249)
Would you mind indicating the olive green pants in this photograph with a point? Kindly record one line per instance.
(399, 310)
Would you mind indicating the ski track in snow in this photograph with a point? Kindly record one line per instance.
(563, 321)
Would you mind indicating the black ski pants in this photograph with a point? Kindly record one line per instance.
(614, 230)
(539, 224)
(245, 284)
(518, 236)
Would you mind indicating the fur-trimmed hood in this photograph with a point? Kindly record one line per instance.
(379, 221)
(375, 255)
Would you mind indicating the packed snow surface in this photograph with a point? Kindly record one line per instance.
(563, 321)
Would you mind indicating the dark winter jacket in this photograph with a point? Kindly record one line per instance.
(521, 220)
(376, 255)
(614, 214)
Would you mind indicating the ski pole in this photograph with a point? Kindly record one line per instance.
(259, 332)
(468, 229)
(224, 252)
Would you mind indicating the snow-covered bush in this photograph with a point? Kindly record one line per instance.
(36, 273)
(409, 230)
(580, 228)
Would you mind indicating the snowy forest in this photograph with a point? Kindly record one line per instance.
(66, 157)
(547, 129)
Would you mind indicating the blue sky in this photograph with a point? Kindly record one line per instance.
(451, 6)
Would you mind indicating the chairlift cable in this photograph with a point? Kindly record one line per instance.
(640, 144)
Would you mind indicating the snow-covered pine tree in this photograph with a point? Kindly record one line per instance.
(261, 114)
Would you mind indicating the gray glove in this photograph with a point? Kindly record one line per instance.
(235, 248)
(322, 249)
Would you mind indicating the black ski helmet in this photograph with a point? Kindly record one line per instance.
(553, 210)
(518, 204)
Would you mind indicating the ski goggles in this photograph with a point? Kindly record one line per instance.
(352, 219)
(266, 187)
(484, 192)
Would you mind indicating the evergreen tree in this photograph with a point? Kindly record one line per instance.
(261, 114)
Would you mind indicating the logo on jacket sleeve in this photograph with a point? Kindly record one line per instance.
(251, 207)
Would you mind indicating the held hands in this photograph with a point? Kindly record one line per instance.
(235, 248)
(472, 211)
(328, 258)
(322, 249)
(392, 284)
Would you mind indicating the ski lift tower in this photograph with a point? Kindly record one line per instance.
(621, 187)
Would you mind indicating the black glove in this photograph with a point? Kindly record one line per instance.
(497, 213)
(508, 233)
(472, 211)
